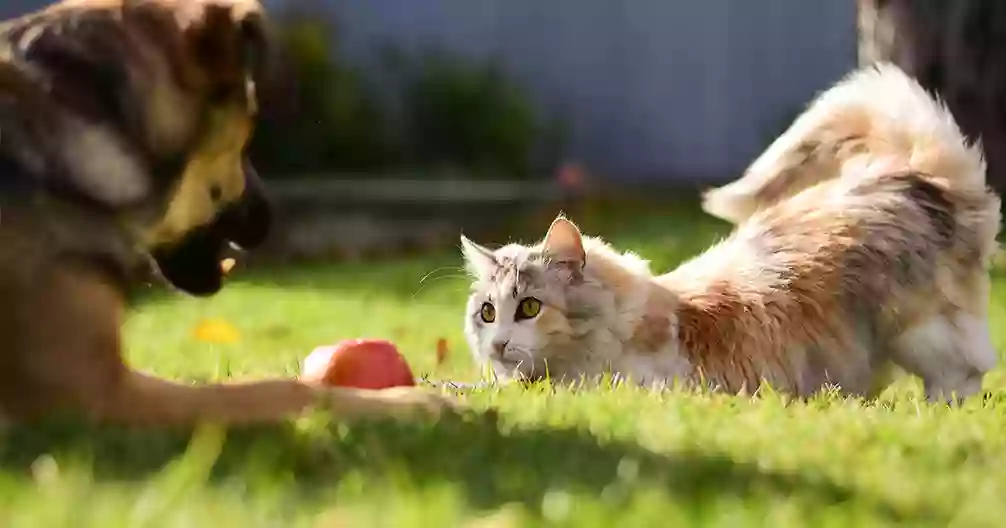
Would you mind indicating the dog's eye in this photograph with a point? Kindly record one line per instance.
(216, 193)
(529, 308)
(488, 312)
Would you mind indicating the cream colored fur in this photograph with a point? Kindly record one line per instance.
(876, 112)
(877, 264)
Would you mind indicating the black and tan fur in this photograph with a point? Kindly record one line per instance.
(123, 125)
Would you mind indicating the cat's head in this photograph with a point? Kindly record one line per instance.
(530, 305)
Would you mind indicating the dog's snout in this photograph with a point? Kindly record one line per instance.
(247, 221)
(192, 264)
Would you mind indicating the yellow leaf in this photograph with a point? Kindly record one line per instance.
(216, 331)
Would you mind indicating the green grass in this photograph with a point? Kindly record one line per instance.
(614, 457)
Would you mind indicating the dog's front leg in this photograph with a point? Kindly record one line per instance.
(63, 353)
(144, 400)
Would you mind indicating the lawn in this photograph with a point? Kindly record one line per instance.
(612, 457)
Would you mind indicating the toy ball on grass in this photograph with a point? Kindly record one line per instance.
(358, 363)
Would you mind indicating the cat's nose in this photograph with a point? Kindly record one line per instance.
(500, 346)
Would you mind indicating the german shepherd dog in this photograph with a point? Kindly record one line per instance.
(123, 125)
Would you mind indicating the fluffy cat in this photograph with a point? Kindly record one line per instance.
(828, 287)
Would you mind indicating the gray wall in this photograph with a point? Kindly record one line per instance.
(654, 88)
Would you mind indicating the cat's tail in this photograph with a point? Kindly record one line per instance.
(877, 113)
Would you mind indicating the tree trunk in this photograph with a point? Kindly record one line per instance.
(955, 48)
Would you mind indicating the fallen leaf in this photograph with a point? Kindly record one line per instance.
(442, 351)
(216, 331)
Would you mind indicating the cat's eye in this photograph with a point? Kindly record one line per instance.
(488, 312)
(529, 308)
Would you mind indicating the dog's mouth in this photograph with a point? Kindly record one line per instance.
(198, 262)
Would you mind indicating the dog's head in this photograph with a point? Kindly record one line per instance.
(148, 106)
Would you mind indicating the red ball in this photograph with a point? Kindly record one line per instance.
(358, 363)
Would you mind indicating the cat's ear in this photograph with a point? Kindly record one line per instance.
(480, 260)
(563, 244)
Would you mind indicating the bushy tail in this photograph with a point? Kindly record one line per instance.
(876, 114)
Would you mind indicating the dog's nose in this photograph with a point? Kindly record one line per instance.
(499, 346)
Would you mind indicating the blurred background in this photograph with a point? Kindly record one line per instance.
(403, 122)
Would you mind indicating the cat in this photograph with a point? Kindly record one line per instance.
(875, 111)
(879, 265)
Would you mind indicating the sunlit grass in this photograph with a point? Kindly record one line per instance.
(607, 457)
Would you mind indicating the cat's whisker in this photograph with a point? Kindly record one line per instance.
(460, 272)
(522, 352)
(430, 279)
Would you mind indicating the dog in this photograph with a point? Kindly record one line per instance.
(123, 125)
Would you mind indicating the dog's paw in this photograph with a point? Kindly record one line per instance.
(411, 401)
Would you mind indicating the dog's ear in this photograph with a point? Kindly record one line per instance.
(230, 41)
(79, 58)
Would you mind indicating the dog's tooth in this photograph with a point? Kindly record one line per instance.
(226, 265)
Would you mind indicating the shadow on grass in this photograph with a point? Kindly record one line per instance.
(494, 466)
